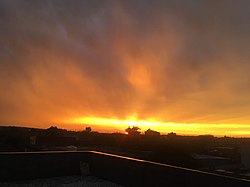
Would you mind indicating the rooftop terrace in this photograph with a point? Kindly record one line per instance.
(121, 170)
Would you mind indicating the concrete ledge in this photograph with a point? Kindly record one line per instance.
(121, 170)
(23, 166)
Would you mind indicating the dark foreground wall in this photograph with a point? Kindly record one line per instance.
(118, 169)
(22, 166)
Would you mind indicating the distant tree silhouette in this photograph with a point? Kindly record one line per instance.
(151, 133)
(172, 135)
(53, 130)
(88, 129)
(133, 131)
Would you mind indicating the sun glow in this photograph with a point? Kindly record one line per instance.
(163, 127)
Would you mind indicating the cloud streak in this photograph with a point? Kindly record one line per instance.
(184, 61)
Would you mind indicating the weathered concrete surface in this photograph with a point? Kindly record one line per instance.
(69, 181)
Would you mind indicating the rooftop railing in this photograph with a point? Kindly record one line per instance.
(122, 170)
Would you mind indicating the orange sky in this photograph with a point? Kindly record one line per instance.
(164, 65)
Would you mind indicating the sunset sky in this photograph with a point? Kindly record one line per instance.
(170, 65)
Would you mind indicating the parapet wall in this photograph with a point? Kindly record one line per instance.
(121, 170)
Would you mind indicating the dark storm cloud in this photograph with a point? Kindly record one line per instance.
(183, 61)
